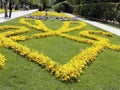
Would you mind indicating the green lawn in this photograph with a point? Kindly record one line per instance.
(21, 74)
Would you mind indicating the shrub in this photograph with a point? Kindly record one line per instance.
(57, 7)
(63, 6)
(40, 8)
(109, 11)
(84, 9)
(118, 13)
(118, 16)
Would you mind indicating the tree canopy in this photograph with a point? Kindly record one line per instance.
(77, 2)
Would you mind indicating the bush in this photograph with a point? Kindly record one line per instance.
(40, 8)
(118, 16)
(63, 6)
(83, 9)
(109, 11)
(118, 13)
(57, 7)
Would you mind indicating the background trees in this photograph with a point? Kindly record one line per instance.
(77, 2)
(101, 9)
(64, 6)
(45, 4)
(58, 1)
(1, 5)
(32, 3)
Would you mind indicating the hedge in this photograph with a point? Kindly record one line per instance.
(107, 11)
(63, 6)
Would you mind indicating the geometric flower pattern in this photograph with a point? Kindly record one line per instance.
(69, 71)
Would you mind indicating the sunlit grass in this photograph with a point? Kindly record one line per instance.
(21, 74)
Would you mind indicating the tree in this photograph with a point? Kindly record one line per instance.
(63, 6)
(77, 2)
(72, 1)
(45, 4)
(1, 5)
(58, 1)
(118, 17)
(94, 1)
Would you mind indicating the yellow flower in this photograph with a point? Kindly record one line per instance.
(2, 61)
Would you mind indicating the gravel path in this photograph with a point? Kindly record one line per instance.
(111, 29)
(15, 15)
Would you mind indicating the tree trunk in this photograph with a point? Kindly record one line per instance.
(1, 4)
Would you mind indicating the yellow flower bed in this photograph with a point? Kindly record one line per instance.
(43, 13)
(19, 38)
(75, 67)
(2, 60)
(1, 10)
(18, 30)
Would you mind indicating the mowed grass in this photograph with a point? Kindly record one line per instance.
(21, 74)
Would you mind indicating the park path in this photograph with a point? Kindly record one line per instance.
(15, 15)
(108, 28)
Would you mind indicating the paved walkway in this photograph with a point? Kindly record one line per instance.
(111, 29)
(15, 15)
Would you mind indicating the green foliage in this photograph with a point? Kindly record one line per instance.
(58, 1)
(33, 3)
(109, 11)
(63, 6)
(71, 1)
(57, 7)
(77, 2)
(118, 16)
(44, 4)
(40, 8)
(118, 12)
(95, 1)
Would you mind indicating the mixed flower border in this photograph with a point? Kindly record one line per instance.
(69, 71)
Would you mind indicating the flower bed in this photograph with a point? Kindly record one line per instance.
(50, 14)
(1, 10)
(2, 60)
(69, 71)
